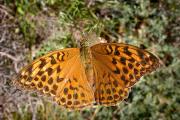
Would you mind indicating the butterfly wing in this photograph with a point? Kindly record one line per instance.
(117, 67)
(61, 75)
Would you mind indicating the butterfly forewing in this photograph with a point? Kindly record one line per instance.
(61, 75)
(119, 66)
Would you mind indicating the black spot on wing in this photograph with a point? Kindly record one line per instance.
(43, 78)
(59, 79)
(40, 73)
(116, 52)
(49, 71)
(125, 70)
(126, 51)
(114, 61)
(62, 58)
(135, 71)
(109, 51)
(43, 63)
(30, 69)
(50, 81)
(53, 61)
(65, 91)
(117, 71)
(132, 60)
(123, 78)
(58, 69)
(123, 60)
(130, 65)
(58, 56)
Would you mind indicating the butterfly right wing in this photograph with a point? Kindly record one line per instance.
(117, 67)
(61, 75)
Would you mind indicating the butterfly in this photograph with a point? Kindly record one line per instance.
(102, 74)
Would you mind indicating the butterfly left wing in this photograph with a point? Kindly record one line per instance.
(61, 75)
(117, 67)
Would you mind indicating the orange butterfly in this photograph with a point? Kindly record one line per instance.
(87, 76)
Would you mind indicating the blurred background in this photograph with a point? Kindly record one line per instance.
(31, 28)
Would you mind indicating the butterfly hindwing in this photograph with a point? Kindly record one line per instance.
(61, 75)
(119, 66)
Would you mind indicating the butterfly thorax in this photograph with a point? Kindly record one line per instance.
(86, 58)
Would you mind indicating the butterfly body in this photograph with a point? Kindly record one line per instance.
(80, 77)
